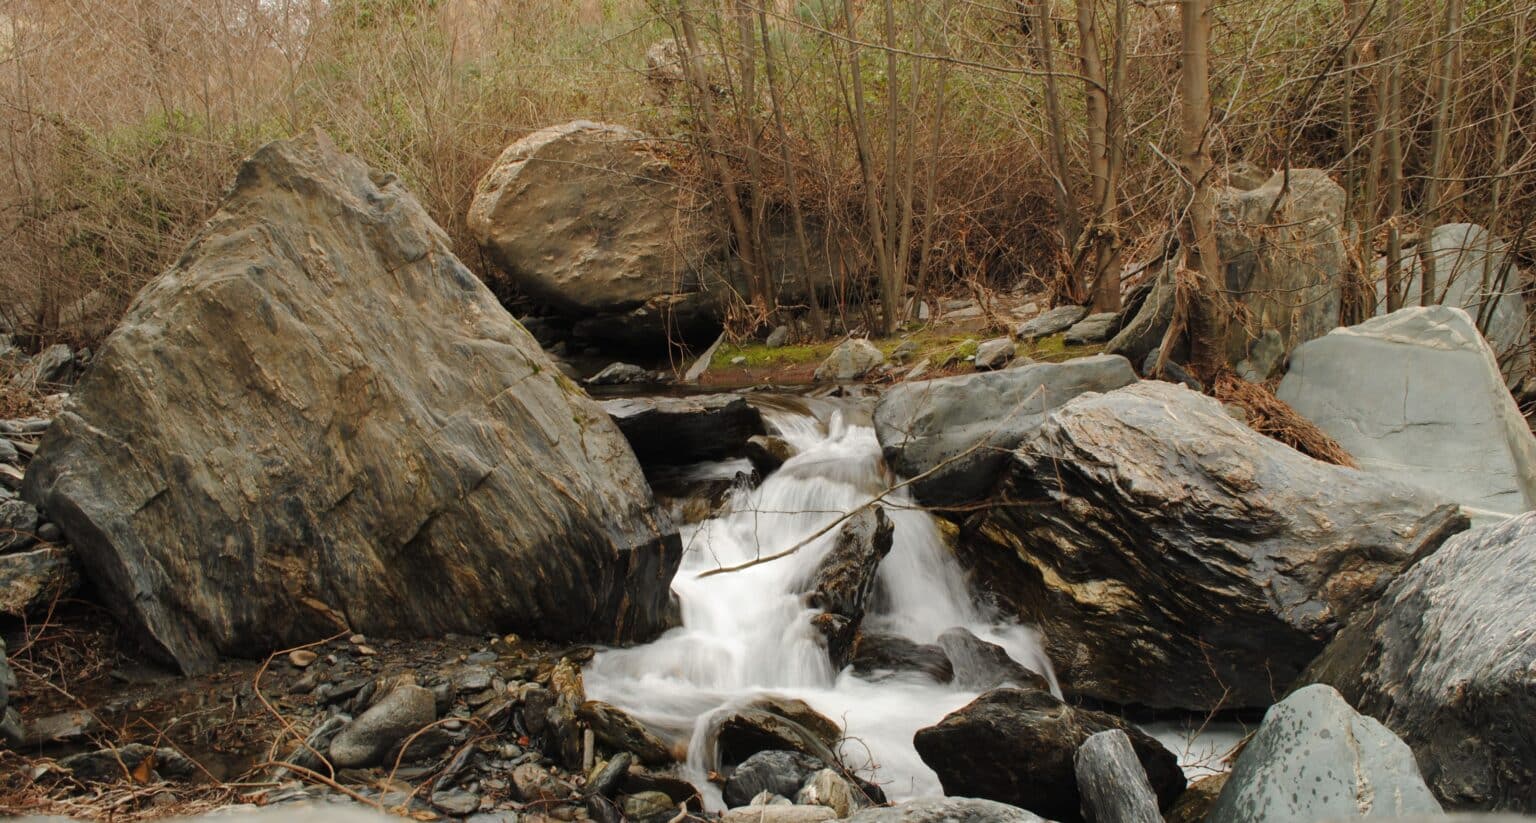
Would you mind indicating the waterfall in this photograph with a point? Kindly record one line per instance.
(748, 633)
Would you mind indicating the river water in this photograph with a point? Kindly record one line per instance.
(748, 633)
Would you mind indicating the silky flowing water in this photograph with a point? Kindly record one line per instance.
(747, 633)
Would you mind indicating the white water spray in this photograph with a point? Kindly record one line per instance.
(748, 633)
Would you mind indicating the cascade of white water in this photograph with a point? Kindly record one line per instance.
(748, 633)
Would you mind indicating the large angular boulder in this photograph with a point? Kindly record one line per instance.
(1172, 557)
(320, 418)
(1446, 659)
(1473, 271)
(1315, 758)
(591, 219)
(1018, 747)
(1283, 257)
(956, 431)
(1416, 396)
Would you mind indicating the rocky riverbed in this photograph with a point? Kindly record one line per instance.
(322, 527)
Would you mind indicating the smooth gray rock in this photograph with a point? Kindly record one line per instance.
(1112, 782)
(48, 368)
(778, 772)
(1314, 758)
(1446, 659)
(994, 354)
(318, 415)
(618, 374)
(777, 338)
(693, 429)
(1054, 321)
(1095, 328)
(365, 741)
(947, 810)
(981, 666)
(961, 428)
(1474, 272)
(1146, 518)
(1017, 746)
(30, 580)
(852, 359)
(18, 525)
(1416, 396)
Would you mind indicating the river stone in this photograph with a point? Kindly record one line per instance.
(946, 810)
(981, 666)
(18, 525)
(777, 772)
(30, 581)
(679, 430)
(1314, 758)
(1446, 658)
(956, 431)
(648, 807)
(853, 358)
(1112, 782)
(1416, 396)
(843, 581)
(1469, 264)
(767, 452)
(1095, 328)
(878, 656)
(1284, 260)
(994, 354)
(594, 220)
(1147, 519)
(1055, 321)
(615, 729)
(778, 814)
(319, 417)
(49, 367)
(364, 742)
(1016, 746)
(777, 338)
(828, 788)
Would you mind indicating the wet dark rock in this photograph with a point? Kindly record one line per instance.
(1315, 758)
(877, 655)
(680, 430)
(30, 581)
(619, 374)
(680, 790)
(1147, 519)
(1112, 782)
(319, 411)
(18, 525)
(982, 666)
(947, 810)
(1196, 801)
(405, 710)
(768, 452)
(1054, 321)
(777, 772)
(1017, 747)
(312, 752)
(116, 764)
(845, 578)
(648, 807)
(1446, 658)
(739, 735)
(615, 730)
(610, 778)
(956, 431)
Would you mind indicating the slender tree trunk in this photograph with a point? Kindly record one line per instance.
(718, 161)
(797, 216)
(1444, 106)
(1500, 169)
(1206, 314)
(1070, 223)
(873, 216)
(746, 108)
(1391, 62)
(891, 296)
(1096, 91)
(1110, 246)
(930, 183)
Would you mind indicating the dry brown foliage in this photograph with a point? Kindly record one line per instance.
(1273, 417)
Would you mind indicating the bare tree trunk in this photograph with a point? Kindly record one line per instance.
(872, 216)
(1096, 89)
(1392, 116)
(1440, 140)
(930, 183)
(1499, 167)
(802, 245)
(1110, 245)
(1069, 221)
(746, 108)
(1204, 306)
(717, 158)
(891, 296)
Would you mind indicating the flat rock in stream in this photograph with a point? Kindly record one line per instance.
(680, 430)
(1446, 659)
(1017, 746)
(1174, 558)
(956, 431)
(318, 417)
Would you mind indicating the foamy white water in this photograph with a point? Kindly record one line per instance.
(748, 633)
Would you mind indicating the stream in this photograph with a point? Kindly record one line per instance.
(748, 633)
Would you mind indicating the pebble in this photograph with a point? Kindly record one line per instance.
(366, 651)
(357, 640)
(302, 658)
(456, 801)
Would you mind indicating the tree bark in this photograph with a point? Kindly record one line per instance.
(1204, 305)
(1439, 141)
(1392, 117)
